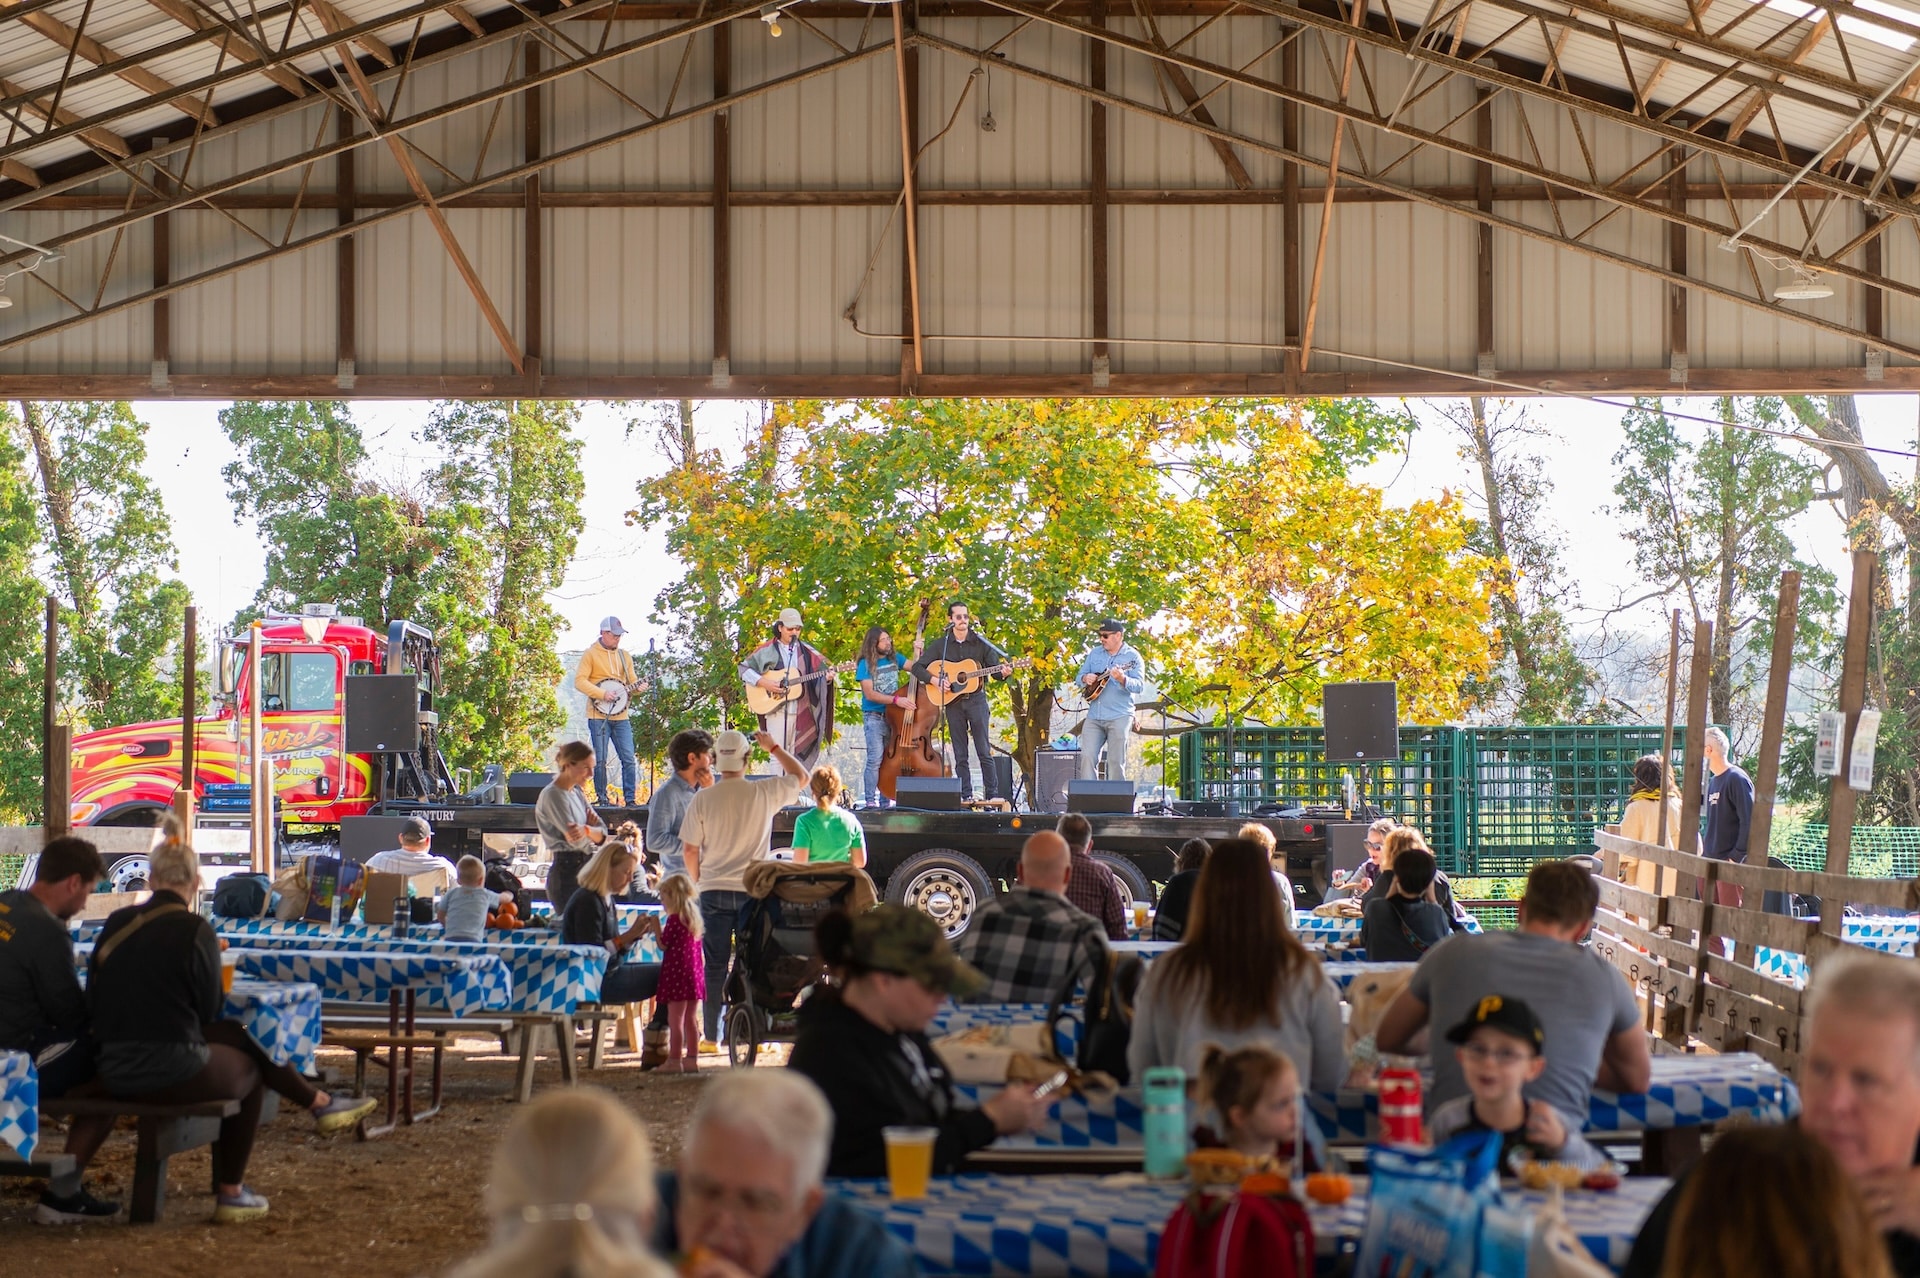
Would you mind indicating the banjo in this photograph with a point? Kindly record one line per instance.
(615, 696)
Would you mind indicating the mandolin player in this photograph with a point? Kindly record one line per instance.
(606, 677)
(804, 724)
(1110, 677)
(967, 714)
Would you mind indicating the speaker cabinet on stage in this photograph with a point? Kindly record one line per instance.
(383, 714)
(1363, 722)
(1002, 776)
(929, 794)
(1346, 845)
(1099, 796)
(1052, 771)
(525, 787)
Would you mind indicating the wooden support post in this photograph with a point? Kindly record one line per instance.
(1102, 363)
(49, 709)
(259, 773)
(189, 712)
(1666, 739)
(1290, 220)
(722, 213)
(1786, 620)
(344, 266)
(1483, 198)
(59, 803)
(535, 256)
(1677, 263)
(1876, 304)
(1843, 799)
(1692, 786)
(907, 77)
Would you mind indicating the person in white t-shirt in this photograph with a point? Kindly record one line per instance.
(728, 826)
(425, 872)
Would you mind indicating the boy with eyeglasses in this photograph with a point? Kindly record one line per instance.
(1501, 1047)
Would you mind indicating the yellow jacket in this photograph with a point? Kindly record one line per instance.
(600, 662)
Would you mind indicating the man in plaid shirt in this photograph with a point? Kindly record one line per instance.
(1031, 944)
(1094, 889)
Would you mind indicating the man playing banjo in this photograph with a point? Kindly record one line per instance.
(804, 724)
(607, 679)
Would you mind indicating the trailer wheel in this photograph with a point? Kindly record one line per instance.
(946, 886)
(129, 873)
(1129, 875)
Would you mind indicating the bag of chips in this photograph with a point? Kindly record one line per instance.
(1423, 1213)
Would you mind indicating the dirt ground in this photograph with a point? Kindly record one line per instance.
(403, 1205)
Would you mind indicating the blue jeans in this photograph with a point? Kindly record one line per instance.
(720, 912)
(1111, 733)
(621, 732)
(876, 725)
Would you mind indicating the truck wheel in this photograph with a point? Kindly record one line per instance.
(942, 884)
(129, 873)
(1129, 875)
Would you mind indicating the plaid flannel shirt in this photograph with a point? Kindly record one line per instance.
(1031, 946)
(1094, 889)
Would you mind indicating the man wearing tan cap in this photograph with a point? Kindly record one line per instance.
(607, 679)
(785, 662)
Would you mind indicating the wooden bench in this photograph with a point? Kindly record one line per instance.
(46, 1166)
(164, 1130)
(598, 1017)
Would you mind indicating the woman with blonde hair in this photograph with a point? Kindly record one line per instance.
(1652, 791)
(1772, 1200)
(591, 920)
(1440, 891)
(1254, 832)
(571, 1194)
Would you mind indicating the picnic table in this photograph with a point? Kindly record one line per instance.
(283, 1018)
(1067, 1226)
(1316, 930)
(19, 1103)
(463, 985)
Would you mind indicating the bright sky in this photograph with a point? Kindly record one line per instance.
(620, 569)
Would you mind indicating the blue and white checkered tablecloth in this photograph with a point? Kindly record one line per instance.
(1319, 929)
(1888, 934)
(1069, 1226)
(19, 1103)
(954, 1018)
(283, 1019)
(1345, 974)
(1099, 1120)
(552, 979)
(463, 985)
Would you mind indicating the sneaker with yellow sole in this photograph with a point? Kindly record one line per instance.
(708, 1048)
(239, 1208)
(343, 1113)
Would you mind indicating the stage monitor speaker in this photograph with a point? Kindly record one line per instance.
(1099, 796)
(1053, 770)
(1363, 722)
(363, 836)
(928, 794)
(1346, 846)
(525, 787)
(383, 714)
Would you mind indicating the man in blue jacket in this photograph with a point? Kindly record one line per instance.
(1729, 816)
(1110, 712)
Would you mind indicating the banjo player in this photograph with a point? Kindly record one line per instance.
(607, 679)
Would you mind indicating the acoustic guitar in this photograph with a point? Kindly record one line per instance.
(766, 701)
(964, 676)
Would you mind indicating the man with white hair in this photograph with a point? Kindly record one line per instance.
(1729, 817)
(747, 1201)
(1859, 1096)
(1030, 942)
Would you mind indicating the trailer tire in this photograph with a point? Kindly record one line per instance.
(1136, 884)
(947, 886)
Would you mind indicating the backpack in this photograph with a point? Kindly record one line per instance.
(1109, 1015)
(501, 879)
(1225, 1235)
(243, 896)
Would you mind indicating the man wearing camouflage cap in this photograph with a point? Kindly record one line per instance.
(865, 1044)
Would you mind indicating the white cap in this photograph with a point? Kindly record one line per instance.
(730, 750)
(613, 624)
(790, 617)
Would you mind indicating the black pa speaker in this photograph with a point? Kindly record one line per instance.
(1099, 796)
(1002, 765)
(1346, 845)
(383, 714)
(1052, 771)
(525, 787)
(928, 794)
(1363, 722)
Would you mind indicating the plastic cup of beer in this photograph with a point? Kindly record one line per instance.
(909, 1160)
(1140, 916)
(229, 964)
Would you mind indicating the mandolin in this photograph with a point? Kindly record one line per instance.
(964, 677)
(765, 701)
(1099, 685)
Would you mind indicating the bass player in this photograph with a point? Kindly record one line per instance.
(606, 677)
(879, 674)
(961, 642)
(1110, 677)
(804, 725)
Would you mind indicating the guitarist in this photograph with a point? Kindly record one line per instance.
(608, 660)
(961, 642)
(1110, 675)
(804, 725)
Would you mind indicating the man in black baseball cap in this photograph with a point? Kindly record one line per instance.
(1502, 1046)
(1111, 675)
(414, 858)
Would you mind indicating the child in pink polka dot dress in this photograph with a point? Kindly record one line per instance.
(683, 974)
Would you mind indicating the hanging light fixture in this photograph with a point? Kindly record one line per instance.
(1805, 287)
(771, 15)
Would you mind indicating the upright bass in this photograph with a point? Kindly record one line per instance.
(910, 748)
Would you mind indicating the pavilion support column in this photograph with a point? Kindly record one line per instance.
(534, 269)
(1876, 316)
(722, 213)
(1290, 222)
(912, 353)
(1677, 263)
(162, 275)
(345, 262)
(1097, 280)
(1483, 198)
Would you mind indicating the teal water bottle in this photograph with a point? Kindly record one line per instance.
(1163, 1126)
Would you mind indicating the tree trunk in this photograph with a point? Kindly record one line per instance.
(1720, 676)
(1032, 720)
(1507, 598)
(68, 547)
(710, 623)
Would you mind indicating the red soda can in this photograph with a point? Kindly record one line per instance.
(1400, 1106)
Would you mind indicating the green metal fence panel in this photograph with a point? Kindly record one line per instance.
(1879, 851)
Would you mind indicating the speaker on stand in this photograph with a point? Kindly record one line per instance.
(1362, 725)
(1053, 771)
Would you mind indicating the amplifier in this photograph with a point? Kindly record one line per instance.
(1052, 771)
(1099, 796)
(525, 787)
(928, 794)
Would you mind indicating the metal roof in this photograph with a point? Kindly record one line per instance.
(618, 198)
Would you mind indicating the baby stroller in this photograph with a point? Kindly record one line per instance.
(774, 964)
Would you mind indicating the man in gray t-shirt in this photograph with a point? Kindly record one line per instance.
(1593, 1028)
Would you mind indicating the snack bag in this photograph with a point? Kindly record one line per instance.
(1506, 1240)
(1424, 1212)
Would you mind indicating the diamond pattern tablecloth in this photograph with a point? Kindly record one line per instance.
(1319, 929)
(1070, 1226)
(546, 978)
(956, 1017)
(283, 1019)
(1890, 935)
(19, 1103)
(463, 985)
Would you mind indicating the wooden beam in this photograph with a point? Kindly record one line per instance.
(1357, 16)
(189, 711)
(1290, 218)
(1483, 198)
(49, 719)
(105, 140)
(722, 211)
(91, 50)
(1183, 85)
(1666, 734)
(15, 171)
(1100, 255)
(345, 261)
(459, 14)
(1677, 323)
(1692, 783)
(1766, 781)
(913, 360)
(1875, 299)
(235, 49)
(162, 229)
(534, 255)
(1842, 799)
(335, 21)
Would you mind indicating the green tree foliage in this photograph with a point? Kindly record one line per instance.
(21, 602)
(1707, 511)
(110, 553)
